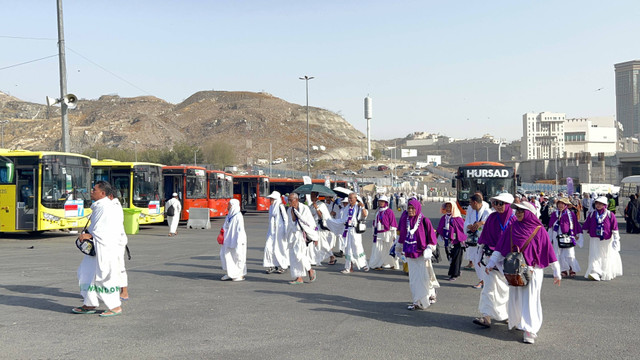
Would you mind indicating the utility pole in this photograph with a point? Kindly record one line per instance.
(66, 146)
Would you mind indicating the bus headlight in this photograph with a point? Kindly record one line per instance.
(50, 217)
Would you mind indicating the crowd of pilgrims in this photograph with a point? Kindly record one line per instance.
(545, 232)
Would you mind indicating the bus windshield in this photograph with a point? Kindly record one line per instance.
(196, 185)
(488, 186)
(146, 184)
(65, 178)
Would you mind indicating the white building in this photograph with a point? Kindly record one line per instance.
(591, 135)
(542, 135)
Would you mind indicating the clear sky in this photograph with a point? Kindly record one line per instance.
(460, 68)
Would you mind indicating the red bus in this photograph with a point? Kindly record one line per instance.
(220, 192)
(252, 192)
(190, 182)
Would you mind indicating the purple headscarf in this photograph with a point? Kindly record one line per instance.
(539, 252)
(493, 228)
(421, 233)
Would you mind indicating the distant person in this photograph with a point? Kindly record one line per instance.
(586, 204)
(565, 233)
(99, 276)
(384, 234)
(611, 204)
(301, 232)
(345, 225)
(276, 248)
(172, 209)
(451, 230)
(233, 253)
(477, 213)
(604, 246)
(631, 215)
(334, 208)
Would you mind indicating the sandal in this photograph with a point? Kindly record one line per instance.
(83, 310)
(345, 271)
(296, 282)
(332, 261)
(482, 322)
(564, 274)
(413, 307)
(110, 313)
(572, 274)
(313, 276)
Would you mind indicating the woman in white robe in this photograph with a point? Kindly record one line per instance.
(384, 234)
(233, 253)
(300, 229)
(604, 246)
(276, 249)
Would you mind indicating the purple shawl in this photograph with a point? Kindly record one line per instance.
(565, 225)
(421, 234)
(388, 220)
(539, 252)
(456, 226)
(609, 223)
(491, 231)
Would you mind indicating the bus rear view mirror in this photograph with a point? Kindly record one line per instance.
(55, 169)
(453, 183)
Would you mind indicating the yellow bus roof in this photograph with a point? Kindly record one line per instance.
(111, 162)
(19, 152)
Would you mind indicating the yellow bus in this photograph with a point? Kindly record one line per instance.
(43, 190)
(138, 186)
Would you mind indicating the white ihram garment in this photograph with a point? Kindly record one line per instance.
(494, 296)
(233, 253)
(296, 231)
(422, 280)
(321, 250)
(475, 253)
(175, 219)
(99, 276)
(124, 279)
(276, 249)
(354, 252)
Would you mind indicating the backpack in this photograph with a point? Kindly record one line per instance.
(171, 211)
(515, 266)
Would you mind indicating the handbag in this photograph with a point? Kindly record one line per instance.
(472, 239)
(515, 265)
(564, 241)
(221, 236)
(435, 256)
(87, 247)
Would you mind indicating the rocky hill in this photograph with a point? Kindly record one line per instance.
(247, 121)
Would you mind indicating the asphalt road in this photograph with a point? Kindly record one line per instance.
(180, 309)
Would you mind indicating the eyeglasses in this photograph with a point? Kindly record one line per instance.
(497, 203)
(519, 211)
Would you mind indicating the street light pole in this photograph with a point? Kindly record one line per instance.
(2, 124)
(66, 145)
(306, 80)
(135, 149)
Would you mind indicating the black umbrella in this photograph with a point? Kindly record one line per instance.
(309, 188)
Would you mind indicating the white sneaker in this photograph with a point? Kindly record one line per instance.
(225, 278)
(238, 279)
(529, 338)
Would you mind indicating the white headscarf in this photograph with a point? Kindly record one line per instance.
(275, 206)
(235, 208)
(455, 212)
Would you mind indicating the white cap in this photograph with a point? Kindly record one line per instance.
(602, 200)
(345, 200)
(383, 198)
(504, 197)
(274, 195)
(526, 206)
(174, 194)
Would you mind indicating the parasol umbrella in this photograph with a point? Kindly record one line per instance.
(309, 188)
(342, 192)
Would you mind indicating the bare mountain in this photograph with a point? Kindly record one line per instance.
(247, 121)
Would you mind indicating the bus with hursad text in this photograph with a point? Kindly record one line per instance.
(490, 178)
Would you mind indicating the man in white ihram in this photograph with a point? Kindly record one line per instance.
(99, 275)
(300, 229)
(174, 219)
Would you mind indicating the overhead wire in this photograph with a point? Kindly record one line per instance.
(27, 62)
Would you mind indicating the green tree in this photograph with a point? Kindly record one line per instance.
(219, 154)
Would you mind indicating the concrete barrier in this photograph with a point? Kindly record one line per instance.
(198, 218)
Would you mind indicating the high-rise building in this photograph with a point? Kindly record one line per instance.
(628, 96)
(542, 135)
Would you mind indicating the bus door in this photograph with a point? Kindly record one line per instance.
(249, 195)
(25, 198)
(173, 184)
(120, 180)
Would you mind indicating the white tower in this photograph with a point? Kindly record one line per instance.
(368, 115)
